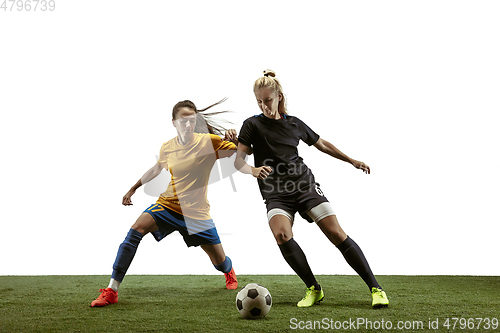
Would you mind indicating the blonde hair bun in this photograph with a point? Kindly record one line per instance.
(269, 81)
(269, 72)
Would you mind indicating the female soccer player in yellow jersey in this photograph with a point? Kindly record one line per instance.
(288, 186)
(183, 207)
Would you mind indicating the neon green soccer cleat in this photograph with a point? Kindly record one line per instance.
(312, 297)
(380, 299)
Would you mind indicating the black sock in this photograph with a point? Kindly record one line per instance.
(296, 258)
(356, 259)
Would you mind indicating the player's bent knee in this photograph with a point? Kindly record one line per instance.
(331, 228)
(282, 237)
(338, 236)
(145, 224)
(335, 235)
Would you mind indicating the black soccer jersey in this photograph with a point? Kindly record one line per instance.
(275, 144)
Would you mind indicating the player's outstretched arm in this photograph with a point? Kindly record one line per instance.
(240, 164)
(327, 148)
(148, 176)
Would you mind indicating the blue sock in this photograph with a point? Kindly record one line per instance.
(226, 266)
(126, 253)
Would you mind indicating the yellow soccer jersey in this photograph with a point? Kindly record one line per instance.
(190, 166)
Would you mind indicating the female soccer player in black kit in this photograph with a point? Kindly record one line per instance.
(288, 186)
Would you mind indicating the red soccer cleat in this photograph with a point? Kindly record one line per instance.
(107, 296)
(231, 280)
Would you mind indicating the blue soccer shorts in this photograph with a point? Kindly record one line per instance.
(195, 232)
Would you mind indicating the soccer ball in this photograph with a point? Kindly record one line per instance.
(253, 301)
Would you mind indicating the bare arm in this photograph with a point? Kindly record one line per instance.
(240, 164)
(327, 148)
(148, 176)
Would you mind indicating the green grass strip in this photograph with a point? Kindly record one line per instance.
(200, 303)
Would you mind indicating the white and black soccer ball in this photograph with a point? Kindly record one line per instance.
(253, 301)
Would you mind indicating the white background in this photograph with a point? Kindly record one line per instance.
(409, 87)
